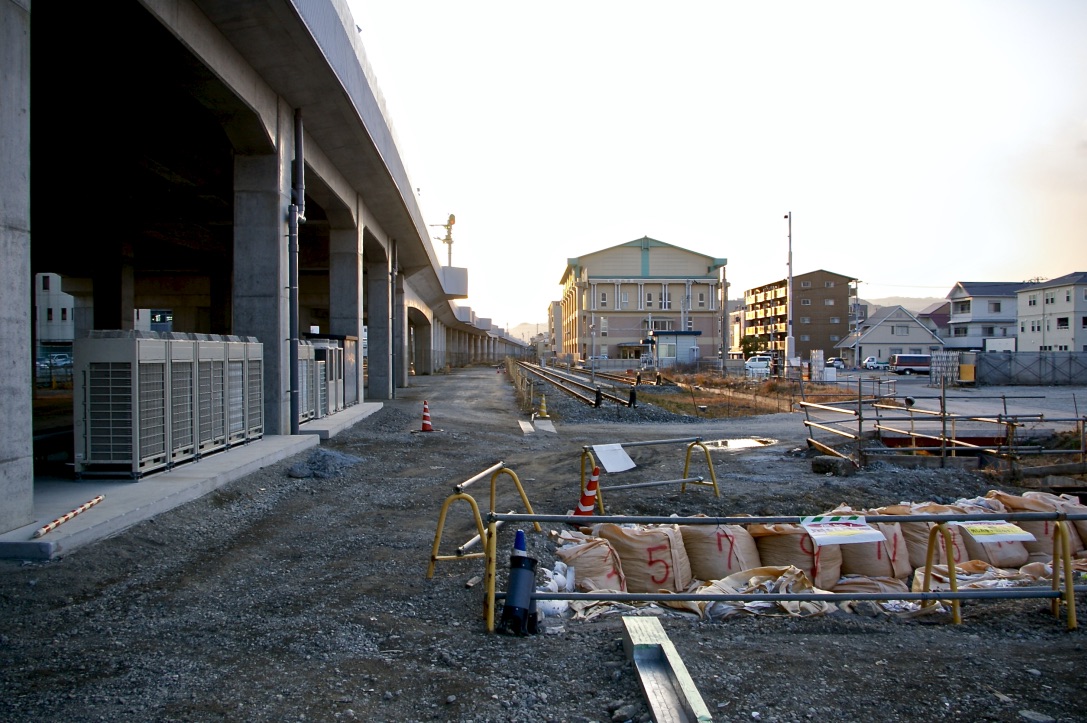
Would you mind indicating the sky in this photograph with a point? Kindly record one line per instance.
(915, 144)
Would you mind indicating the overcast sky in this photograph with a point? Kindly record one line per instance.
(916, 144)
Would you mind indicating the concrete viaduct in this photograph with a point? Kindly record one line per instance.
(165, 142)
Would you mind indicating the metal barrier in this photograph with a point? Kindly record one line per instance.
(691, 442)
(459, 494)
(1061, 564)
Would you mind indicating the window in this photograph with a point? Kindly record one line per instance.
(1032, 299)
(835, 320)
(690, 324)
(988, 331)
(603, 326)
(829, 284)
(624, 300)
(894, 350)
(45, 282)
(994, 307)
(961, 307)
(701, 299)
(1084, 322)
(805, 337)
(603, 299)
(1051, 297)
(960, 331)
(1062, 322)
(805, 320)
(828, 302)
(649, 299)
(1067, 295)
(805, 302)
(64, 313)
(835, 337)
(900, 330)
(1023, 327)
(666, 299)
(49, 314)
(805, 284)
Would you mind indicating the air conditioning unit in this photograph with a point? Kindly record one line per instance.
(145, 401)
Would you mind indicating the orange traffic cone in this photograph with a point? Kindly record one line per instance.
(588, 497)
(426, 418)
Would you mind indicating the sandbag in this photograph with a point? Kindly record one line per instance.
(1011, 554)
(889, 558)
(786, 544)
(1041, 550)
(717, 551)
(862, 583)
(1069, 504)
(916, 533)
(652, 558)
(596, 566)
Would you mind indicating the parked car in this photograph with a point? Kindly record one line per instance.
(758, 363)
(870, 362)
(60, 360)
(835, 361)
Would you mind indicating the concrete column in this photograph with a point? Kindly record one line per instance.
(16, 287)
(345, 300)
(379, 330)
(261, 199)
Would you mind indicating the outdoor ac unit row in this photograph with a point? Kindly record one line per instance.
(145, 401)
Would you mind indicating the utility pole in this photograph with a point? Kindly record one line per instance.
(789, 344)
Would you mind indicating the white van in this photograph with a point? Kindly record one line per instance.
(758, 363)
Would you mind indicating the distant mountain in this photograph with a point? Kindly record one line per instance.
(910, 303)
(525, 332)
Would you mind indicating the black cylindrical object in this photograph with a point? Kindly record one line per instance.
(518, 613)
(633, 398)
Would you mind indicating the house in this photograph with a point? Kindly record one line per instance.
(820, 313)
(981, 310)
(613, 298)
(891, 330)
(937, 318)
(1053, 314)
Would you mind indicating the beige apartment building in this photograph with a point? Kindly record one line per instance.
(641, 299)
(820, 313)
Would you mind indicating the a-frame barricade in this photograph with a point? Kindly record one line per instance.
(459, 494)
(588, 462)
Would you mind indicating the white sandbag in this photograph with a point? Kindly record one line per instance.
(785, 545)
(717, 551)
(652, 558)
(597, 565)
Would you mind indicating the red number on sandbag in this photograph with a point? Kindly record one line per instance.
(731, 545)
(650, 562)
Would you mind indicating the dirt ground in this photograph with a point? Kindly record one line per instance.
(300, 593)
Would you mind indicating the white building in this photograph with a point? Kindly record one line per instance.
(1053, 314)
(54, 314)
(981, 310)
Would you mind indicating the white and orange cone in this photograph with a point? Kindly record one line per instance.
(588, 497)
(426, 418)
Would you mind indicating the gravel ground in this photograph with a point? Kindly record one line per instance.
(300, 592)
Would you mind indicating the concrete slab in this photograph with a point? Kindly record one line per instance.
(545, 425)
(128, 501)
(526, 427)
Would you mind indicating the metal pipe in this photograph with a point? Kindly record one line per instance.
(296, 215)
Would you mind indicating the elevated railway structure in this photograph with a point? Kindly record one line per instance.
(245, 182)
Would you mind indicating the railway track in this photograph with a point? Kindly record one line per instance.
(574, 385)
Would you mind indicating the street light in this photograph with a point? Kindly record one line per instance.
(789, 348)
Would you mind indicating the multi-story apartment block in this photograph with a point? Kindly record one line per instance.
(615, 300)
(1053, 314)
(981, 310)
(820, 313)
(55, 314)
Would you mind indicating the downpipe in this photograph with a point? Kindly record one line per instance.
(296, 214)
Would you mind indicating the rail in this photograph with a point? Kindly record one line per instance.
(586, 393)
(1061, 564)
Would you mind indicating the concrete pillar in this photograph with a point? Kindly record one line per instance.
(379, 329)
(261, 199)
(345, 298)
(16, 287)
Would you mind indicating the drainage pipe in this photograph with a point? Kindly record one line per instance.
(296, 215)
